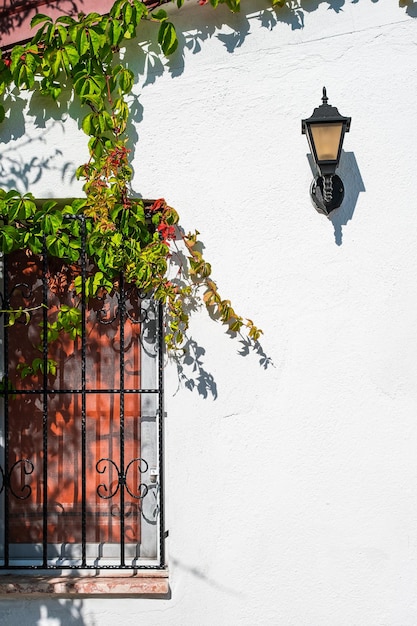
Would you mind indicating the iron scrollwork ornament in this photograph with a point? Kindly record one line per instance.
(107, 492)
(129, 299)
(6, 479)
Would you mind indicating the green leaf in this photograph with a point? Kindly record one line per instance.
(48, 205)
(97, 39)
(51, 88)
(8, 237)
(50, 34)
(70, 57)
(115, 32)
(65, 19)
(2, 113)
(105, 121)
(86, 84)
(25, 370)
(52, 367)
(50, 239)
(87, 124)
(37, 364)
(12, 194)
(82, 43)
(14, 210)
(126, 80)
(95, 100)
(34, 243)
(234, 5)
(16, 55)
(141, 10)
(130, 32)
(77, 206)
(167, 38)
(51, 223)
(39, 19)
(90, 18)
(62, 33)
(116, 9)
(55, 61)
(160, 15)
(127, 13)
(29, 207)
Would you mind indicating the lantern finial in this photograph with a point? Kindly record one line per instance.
(324, 99)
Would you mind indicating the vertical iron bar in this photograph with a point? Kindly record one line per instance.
(6, 410)
(45, 406)
(122, 311)
(83, 394)
(160, 340)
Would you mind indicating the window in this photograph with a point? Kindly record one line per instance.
(81, 434)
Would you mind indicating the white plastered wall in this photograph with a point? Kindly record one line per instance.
(291, 472)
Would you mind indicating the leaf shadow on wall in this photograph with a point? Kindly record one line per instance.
(192, 33)
(21, 174)
(20, 171)
(191, 371)
(57, 612)
(348, 171)
(67, 613)
(410, 8)
(195, 25)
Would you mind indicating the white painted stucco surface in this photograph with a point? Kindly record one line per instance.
(291, 489)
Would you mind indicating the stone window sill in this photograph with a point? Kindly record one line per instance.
(143, 583)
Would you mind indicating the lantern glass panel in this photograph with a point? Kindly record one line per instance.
(326, 138)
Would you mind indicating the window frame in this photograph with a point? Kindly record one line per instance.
(150, 574)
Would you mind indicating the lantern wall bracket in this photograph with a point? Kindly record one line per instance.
(324, 199)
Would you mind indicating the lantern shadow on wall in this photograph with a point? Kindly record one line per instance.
(353, 183)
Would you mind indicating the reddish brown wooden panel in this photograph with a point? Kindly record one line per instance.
(105, 421)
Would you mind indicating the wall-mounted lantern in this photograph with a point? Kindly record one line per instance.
(325, 131)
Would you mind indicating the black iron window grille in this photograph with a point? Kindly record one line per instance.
(81, 435)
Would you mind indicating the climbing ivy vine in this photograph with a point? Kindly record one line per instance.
(80, 57)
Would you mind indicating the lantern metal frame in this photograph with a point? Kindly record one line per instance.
(327, 190)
